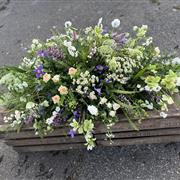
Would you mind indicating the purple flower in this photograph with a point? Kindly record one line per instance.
(105, 31)
(42, 53)
(29, 119)
(101, 68)
(76, 115)
(55, 53)
(56, 120)
(98, 90)
(121, 39)
(72, 133)
(39, 71)
(109, 81)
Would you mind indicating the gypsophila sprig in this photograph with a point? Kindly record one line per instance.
(83, 76)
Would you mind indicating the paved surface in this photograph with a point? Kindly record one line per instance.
(22, 20)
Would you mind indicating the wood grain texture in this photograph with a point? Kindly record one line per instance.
(154, 129)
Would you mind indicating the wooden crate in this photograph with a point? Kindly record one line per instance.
(153, 130)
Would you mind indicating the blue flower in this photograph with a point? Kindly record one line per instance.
(76, 115)
(39, 71)
(98, 90)
(101, 68)
(121, 39)
(42, 53)
(109, 81)
(72, 133)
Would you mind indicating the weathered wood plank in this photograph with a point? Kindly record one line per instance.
(171, 122)
(143, 140)
(80, 138)
(116, 142)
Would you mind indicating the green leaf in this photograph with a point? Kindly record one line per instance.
(124, 92)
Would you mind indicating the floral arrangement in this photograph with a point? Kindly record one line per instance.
(83, 76)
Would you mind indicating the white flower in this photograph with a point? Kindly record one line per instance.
(35, 41)
(30, 105)
(135, 28)
(147, 88)
(176, 60)
(56, 78)
(100, 22)
(157, 88)
(103, 100)
(157, 50)
(67, 43)
(68, 24)
(178, 81)
(92, 95)
(50, 120)
(163, 114)
(109, 105)
(93, 110)
(116, 106)
(45, 103)
(112, 113)
(115, 23)
(57, 109)
(17, 114)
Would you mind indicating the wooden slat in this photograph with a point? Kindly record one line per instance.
(80, 138)
(170, 122)
(144, 140)
(116, 142)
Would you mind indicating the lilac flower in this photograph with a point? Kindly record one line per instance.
(39, 71)
(76, 115)
(109, 81)
(55, 53)
(74, 35)
(42, 53)
(98, 90)
(72, 133)
(101, 68)
(105, 31)
(121, 39)
(29, 119)
(56, 120)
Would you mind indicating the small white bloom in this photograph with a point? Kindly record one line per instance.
(138, 86)
(49, 121)
(68, 24)
(92, 95)
(112, 113)
(157, 50)
(135, 28)
(163, 114)
(30, 105)
(35, 41)
(157, 88)
(45, 103)
(100, 22)
(147, 88)
(109, 105)
(103, 100)
(93, 110)
(56, 78)
(116, 106)
(115, 23)
(176, 60)
(17, 114)
(57, 109)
